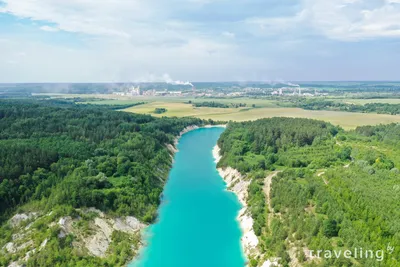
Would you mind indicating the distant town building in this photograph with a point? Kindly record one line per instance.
(307, 94)
(149, 92)
(131, 91)
(134, 91)
(175, 93)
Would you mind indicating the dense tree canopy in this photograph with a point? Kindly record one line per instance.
(335, 190)
(55, 155)
(87, 157)
(263, 144)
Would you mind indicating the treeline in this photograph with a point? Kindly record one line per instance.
(86, 102)
(116, 106)
(380, 108)
(335, 190)
(47, 101)
(213, 104)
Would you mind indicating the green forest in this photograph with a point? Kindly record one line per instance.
(57, 158)
(334, 190)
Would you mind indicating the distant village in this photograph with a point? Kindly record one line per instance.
(234, 91)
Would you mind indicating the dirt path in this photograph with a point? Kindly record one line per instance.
(267, 192)
(320, 174)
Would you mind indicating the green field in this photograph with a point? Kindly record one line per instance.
(265, 108)
(103, 99)
(346, 120)
(248, 101)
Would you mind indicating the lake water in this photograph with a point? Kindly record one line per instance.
(197, 224)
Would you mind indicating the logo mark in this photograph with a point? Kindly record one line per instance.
(390, 249)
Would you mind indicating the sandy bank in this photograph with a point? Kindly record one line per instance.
(236, 183)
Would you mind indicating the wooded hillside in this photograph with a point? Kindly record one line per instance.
(61, 156)
(335, 190)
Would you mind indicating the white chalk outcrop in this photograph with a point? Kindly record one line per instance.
(103, 227)
(237, 183)
(21, 217)
(98, 243)
(270, 263)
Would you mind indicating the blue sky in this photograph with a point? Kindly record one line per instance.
(198, 40)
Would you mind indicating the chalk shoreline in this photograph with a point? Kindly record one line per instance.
(235, 183)
(174, 148)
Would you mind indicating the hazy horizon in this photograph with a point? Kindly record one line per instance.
(232, 81)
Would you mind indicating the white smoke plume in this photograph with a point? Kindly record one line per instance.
(286, 83)
(169, 80)
(280, 82)
(292, 84)
(152, 78)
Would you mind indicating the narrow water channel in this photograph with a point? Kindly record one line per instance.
(197, 224)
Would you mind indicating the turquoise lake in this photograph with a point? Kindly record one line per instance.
(197, 224)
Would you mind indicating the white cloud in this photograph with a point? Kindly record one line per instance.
(120, 61)
(347, 20)
(103, 17)
(148, 23)
(49, 29)
(275, 25)
(354, 20)
(121, 40)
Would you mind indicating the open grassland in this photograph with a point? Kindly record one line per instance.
(109, 99)
(346, 120)
(248, 101)
(176, 106)
(182, 110)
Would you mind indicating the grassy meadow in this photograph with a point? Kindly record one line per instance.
(346, 120)
(265, 108)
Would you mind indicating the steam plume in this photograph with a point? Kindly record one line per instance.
(169, 80)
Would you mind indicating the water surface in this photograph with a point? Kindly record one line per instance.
(197, 224)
